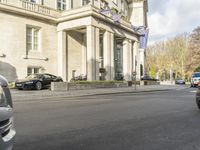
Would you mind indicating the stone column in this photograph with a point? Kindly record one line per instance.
(84, 55)
(137, 60)
(127, 59)
(108, 51)
(62, 55)
(92, 53)
(141, 54)
(97, 56)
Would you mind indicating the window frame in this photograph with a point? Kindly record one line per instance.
(34, 70)
(33, 38)
(86, 2)
(33, 1)
(63, 5)
(115, 2)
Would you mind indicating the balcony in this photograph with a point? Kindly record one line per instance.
(31, 7)
(93, 8)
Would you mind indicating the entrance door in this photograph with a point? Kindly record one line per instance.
(118, 59)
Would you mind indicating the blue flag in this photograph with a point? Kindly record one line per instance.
(143, 32)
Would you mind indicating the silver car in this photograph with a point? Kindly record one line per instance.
(7, 131)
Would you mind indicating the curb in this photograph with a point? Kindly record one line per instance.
(32, 98)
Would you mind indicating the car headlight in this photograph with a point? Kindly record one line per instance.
(29, 82)
(2, 97)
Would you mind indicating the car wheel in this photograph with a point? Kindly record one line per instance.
(38, 86)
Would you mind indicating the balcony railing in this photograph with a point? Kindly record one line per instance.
(36, 8)
(40, 9)
(3, 1)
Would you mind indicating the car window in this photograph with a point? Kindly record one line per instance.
(53, 77)
(196, 75)
(47, 76)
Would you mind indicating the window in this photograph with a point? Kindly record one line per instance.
(47, 76)
(122, 6)
(126, 9)
(32, 1)
(33, 70)
(32, 38)
(85, 2)
(61, 4)
(115, 1)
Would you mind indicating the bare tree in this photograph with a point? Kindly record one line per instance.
(169, 57)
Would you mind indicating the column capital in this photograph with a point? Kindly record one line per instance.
(126, 40)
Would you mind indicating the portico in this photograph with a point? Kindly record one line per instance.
(88, 44)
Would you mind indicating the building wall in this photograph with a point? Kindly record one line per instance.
(51, 3)
(137, 13)
(77, 3)
(13, 37)
(13, 45)
(75, 52)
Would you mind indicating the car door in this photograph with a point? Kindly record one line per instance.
(7, 131)
(47, 80)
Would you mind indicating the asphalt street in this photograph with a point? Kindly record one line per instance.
(162, 120)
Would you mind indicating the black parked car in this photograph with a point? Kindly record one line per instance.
(37, 81)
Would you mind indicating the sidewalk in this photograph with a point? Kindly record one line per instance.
(45, 94)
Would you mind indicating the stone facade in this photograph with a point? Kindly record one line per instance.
(37, 37)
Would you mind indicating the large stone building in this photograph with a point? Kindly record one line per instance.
(60, 36)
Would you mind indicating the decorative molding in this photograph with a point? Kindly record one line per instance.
(43, 58)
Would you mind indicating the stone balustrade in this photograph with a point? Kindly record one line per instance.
(40, 9)
(3, 1)
(34, 7)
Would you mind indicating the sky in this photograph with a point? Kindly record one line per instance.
(168, 18)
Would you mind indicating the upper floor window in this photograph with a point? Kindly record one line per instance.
(125, 9)
(85, 2)
(32, 38)
(115, 1)
(61, 4)
(32, 1)
(122, 6)
(36, 1)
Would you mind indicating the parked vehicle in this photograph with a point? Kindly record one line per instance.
(147, 77)
(195, 79)
(179, 81)
(37, 81)
(198, 96)
(7, 130)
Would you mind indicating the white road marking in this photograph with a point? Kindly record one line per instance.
(193, 91)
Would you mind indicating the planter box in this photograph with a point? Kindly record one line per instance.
(66, 86)
(148, 82)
